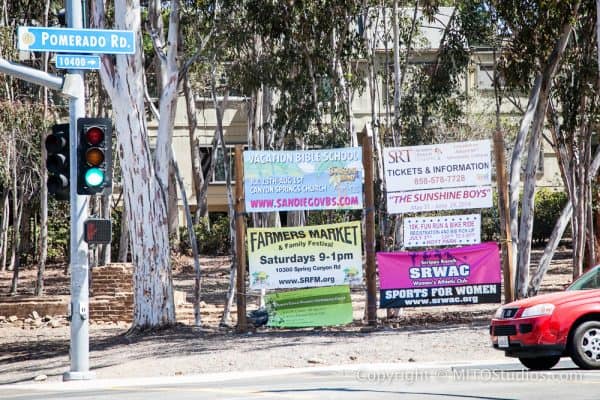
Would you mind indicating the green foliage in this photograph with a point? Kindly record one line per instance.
(59, 229)
(548, 206)
(212, 236)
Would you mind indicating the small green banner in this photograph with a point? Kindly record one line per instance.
(322, 306)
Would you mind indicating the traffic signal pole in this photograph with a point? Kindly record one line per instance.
(79, 307)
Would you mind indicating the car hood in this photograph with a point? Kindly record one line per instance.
(556, 298)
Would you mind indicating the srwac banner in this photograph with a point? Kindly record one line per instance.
(324, 306)
(444, 230)
(303, 180)
(462, 275)
(310, 256)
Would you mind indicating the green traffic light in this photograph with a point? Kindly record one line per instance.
(94, 177)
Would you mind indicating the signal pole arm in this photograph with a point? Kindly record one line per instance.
(70, 85)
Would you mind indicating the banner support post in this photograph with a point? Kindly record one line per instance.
(370, 232)
(240, 241)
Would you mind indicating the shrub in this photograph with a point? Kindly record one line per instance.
(548, 206)
(212, 236)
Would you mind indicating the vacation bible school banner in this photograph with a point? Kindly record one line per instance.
(324, 306)
(294, 257)
(462, 275)
(303, 180)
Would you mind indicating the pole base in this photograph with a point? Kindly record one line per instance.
(78, 376)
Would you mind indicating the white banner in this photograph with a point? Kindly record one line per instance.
(439, 199)
(442, 231)
(444, 165)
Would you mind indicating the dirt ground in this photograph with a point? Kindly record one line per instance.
(456, 333)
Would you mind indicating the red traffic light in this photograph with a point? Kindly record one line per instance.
(94, 135)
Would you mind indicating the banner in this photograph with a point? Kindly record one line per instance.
(462, 275)
(442, 231)
(323, 306)
(294, 257)
(303, 180)
(445, 165)
(439, 199)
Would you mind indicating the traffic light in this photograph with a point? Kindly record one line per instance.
(57, 161)
(94, 155)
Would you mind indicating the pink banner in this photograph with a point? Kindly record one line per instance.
(469, 274)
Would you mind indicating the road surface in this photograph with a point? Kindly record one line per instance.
(493, 381)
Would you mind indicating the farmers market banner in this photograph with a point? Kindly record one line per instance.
(294, 257)
(303, 180)
(324, 306)
(462, 275)
(442, 231)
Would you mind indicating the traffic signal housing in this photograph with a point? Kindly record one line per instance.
(94, 155)
(57, 162)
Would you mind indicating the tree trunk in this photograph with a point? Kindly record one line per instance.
(196, 157)
(43, 243)
(515, 165)
(193, 243)
(124, 236)
(557, 233)
(16, 242)
(173, 209)
(527, 208)
(105, 249)
(4, 232)
(144, 187)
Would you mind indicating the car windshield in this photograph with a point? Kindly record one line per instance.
(589, 280)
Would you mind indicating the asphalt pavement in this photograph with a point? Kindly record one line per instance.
(476, 380)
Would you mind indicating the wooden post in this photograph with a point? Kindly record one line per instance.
(371, 273)
(504, 213)
(240, 242)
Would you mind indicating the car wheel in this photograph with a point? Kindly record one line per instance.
(539, 363)
(585, 345)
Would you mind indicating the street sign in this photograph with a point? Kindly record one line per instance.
(77, 61)
(70, 40)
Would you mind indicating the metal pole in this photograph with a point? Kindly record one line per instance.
(79, 349)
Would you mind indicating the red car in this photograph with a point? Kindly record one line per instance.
(540, 330)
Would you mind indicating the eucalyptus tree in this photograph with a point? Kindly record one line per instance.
(144, 177)
(541, 33)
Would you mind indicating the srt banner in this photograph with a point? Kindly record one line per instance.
(463, 275)
(446, 176)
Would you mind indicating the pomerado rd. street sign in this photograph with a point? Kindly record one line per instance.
(69, 40)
